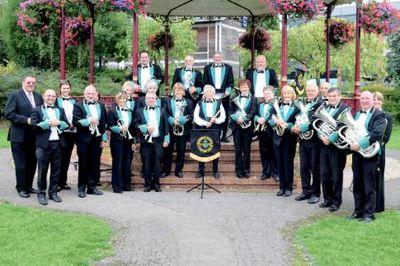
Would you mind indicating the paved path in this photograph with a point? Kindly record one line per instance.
(177, 228)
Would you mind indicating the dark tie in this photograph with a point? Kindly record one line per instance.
(152, 108)
(283, 104)
(363, 112)
(145, 66)
(50, 106)
(188, 70)
(124, 109)
(208, 101)
(65, 99)
(178, 100)
(241, 96)
(217, 65)
(89, 103)
(260, 71)
(332, 107)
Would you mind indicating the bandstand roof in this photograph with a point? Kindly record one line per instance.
(207, 8)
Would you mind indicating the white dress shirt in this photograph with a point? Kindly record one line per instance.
(152, 122)
(209, 113)
(258, 93)
(218, 78)
(54, 132)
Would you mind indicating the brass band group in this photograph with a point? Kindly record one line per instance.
(45, 128)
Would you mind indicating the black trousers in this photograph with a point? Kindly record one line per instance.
(267, 154)
(89, 162)
(180, 143)
(25, 163)
(70, 139)
(215, 167)
(380, 182)
(224, 126)
(50, 156)
(309, 167)
(121, 152)
(151, 159)
(332, 163)
(242, 139)
(286, 151)
(364, 184)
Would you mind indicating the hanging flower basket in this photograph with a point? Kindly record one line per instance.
(340, 33)
(156, 41)
(137, 6)
(298, 8)
(379, 18)
(77, 30)
(262, 40)
(37, 16)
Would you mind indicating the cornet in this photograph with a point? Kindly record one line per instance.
(124, 134)
(94, 129)
(52, 128)
(179, 129)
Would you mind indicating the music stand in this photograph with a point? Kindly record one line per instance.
(202, 184)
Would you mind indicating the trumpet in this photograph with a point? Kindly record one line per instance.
(242, 113)
(278, 128)
(94, 129)
(351, 132)
(124, 134)
(302, 118)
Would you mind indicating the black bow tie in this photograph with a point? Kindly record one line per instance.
(260, 71)
(208, 101)
(130, 100)
(152, 108)
(50, 107)
(65, 99)
(363, 112)
(333, 107)
(188, 70)
(217, 66)
(325, 99)
(145, 66)
(242, 96)
(178, 100)
(89, 103)
(283, 104)
(309, 101)
(123, 109)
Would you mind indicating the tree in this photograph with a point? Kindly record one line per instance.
(394, 57)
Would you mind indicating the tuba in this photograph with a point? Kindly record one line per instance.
(325, 124)
(351, 132)
(124, 134)
(302, 118)
(242, 113)
(279, 130)
(179, 129)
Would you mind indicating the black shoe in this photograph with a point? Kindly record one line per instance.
(199, 175)
(280, 192)
(246, 175)
(287, 193)
(164, 174)
(23, 194)
(224, 139)
(333, 208)
(367, 220)
(81, 193)
(65, 187)
(179, 174)
(217, 175)
(42, 198)
(117, 191)
(54, 197)
(32, 191)
(239, 175)
(128, 189)
(325, 204)
(146, 189)
(313, 200)
(263, 177)
(157, 189)
(354, 216)
(302, 196)
(275, 177)
(94, 191)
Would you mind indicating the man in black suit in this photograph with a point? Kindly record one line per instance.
(49, 121)
(242, 109)
(220, 76)
(152, 122)
(332, 159)
(22, 134)
(370, 127)
(89, 118)
(146, 72)
(261, 76)
(309, 146)
(190, 78)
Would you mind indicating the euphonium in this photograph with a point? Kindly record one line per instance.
(124, 134)
(279, 130)
(325, 124)
(302, 118)
(242, 113)
(351, 132)
(179, 129)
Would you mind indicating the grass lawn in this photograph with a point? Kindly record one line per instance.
(394, 142)
(4, 143)
(334, 240)
(41, 237)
